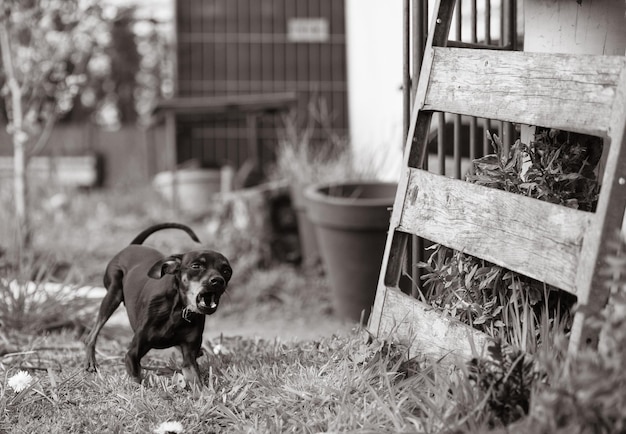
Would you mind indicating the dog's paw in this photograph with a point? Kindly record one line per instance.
(91, 366)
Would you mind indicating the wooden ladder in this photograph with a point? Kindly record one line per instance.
(560, 246)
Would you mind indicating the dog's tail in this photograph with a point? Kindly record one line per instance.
(139, 239)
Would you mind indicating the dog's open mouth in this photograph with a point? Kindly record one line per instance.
(207, 302)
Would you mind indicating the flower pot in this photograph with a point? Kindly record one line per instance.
(351, 222)
(192, 188)
(309, 248)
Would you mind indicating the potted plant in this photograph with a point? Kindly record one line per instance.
(351, 220)
(343, 210)
(303, 158)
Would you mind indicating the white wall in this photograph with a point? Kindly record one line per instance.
(374, 41)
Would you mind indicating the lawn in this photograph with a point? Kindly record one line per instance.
(347, 382)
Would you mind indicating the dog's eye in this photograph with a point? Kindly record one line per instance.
(196, 266)
(226, 271)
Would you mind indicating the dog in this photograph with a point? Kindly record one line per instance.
(166, 298)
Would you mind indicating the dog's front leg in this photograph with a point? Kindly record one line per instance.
(137, 349)
(190, 368)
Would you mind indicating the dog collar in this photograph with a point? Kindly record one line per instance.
(187, 313)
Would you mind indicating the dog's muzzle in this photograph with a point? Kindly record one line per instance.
(208, 299)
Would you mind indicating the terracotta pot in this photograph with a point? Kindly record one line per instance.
(351, 222)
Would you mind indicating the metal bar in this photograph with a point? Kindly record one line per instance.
(457, 118)
(472, 120)
(457, 146)
(508, 38)
(459, 20)
(488, 22)
(441, 140)
(486, 146)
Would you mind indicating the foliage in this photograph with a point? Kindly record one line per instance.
(30, 299)
(556, 167)
(506, 377)
(310, 152)
(496, 301)
(586, 395)
(52, 46)
(79, 60)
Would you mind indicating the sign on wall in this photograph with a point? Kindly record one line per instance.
(307, 30)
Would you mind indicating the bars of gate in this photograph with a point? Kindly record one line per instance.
(477, 24)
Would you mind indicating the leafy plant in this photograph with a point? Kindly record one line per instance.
(586, 394)
(36, 296)
(506, 378)
(499, 302)
(558, 167)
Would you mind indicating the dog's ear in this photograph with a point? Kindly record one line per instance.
(169, 265)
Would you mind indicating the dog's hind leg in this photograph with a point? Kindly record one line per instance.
(110, 303)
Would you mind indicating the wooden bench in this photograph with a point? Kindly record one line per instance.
(70, 171)
(560, 246)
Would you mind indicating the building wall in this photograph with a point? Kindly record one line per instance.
(239, 47)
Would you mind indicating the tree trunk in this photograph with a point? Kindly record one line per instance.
(19, 137)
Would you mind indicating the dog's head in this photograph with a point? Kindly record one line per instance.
(203, 277)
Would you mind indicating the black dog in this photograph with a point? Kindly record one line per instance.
(166, 297)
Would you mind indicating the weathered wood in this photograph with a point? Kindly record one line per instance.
(564, 91)
(559, 246)
(426, 332)
(535, 238)
(608, 219)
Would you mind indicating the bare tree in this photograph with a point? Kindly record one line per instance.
(46, 47)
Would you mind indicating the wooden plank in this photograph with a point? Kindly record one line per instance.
(426, 332)
(608, 220)
(570, 92)
(538, 239)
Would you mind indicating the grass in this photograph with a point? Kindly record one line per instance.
(343, 383)
(334, 384)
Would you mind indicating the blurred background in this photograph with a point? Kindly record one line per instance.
(150, 85)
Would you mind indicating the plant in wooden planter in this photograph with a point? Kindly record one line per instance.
(556, 167)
